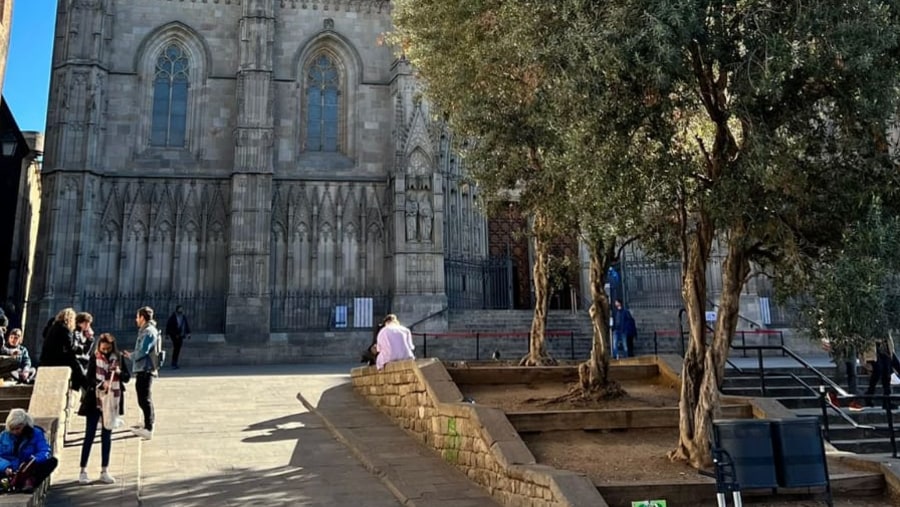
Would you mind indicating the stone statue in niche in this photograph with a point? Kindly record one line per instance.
(426, 217)
(412, 213)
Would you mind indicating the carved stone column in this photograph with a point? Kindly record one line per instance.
(418, 197)
(74, 147)
(248, 310)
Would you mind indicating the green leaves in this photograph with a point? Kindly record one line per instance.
(853, 291)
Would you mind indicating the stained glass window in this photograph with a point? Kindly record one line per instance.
(322, 105)
(170, 98)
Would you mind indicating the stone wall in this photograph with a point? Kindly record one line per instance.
(422, 398)
(48, 406)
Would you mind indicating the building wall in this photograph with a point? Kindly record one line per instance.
(6, 7)
(244, 209)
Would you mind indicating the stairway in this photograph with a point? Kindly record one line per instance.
(782, 386)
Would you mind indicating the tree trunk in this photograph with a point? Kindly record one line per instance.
(697, 414)
(696, 397)
(734, 272)
(537, 351)
(597, 368)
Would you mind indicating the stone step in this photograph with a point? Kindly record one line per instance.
(869, 416)
(864, 445)
(774, 380)
(771, 391)
(841, 432)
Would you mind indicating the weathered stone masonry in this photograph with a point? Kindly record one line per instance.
(422, 398)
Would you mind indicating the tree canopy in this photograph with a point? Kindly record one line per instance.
(760, 124)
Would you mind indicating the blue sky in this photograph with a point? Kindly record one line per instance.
(28, 67)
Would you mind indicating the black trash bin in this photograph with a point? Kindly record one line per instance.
(799, 452)
(749, 443)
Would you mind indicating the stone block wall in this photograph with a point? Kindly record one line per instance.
(423, 399)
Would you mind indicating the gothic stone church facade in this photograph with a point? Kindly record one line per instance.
(266, 163)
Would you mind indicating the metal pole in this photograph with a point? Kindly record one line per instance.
(572, 343)
(744, 342)
(762, 372)
(890, 421)
(509, 278)
(477, 346)
(655, 344)
(424, 344)
(824, 403)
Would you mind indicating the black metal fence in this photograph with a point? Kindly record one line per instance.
(318, 311)
(561, 344)
(115, 312)
(479, 284)
(653, 283)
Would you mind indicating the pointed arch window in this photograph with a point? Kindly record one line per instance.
(170, 98)
(323, 101)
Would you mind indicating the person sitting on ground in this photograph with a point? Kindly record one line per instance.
(25, 455)
(12, 346)
(394, 342)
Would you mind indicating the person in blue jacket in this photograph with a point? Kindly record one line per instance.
(145, 358)
(623, 328)
(25, 455)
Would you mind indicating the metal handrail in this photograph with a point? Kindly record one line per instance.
(430, 316)
(760, 348)
(828, 404)
(752, 323)
(887, 399)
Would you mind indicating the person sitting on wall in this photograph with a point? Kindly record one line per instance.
(12, 347)
(25, 455)
(394, 342)
(371, 353)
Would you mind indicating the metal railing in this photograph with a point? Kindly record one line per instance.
(479, 284)
(824, 384)
(115, 312)
(496, 345)
(317, 310)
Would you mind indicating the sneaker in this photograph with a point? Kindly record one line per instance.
(105, 478)
(832, 397)
(83, 478)
(143, 433)
(856, 406)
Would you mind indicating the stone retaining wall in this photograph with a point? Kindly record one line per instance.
(480, 441)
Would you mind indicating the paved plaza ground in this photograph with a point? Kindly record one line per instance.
(240, 436)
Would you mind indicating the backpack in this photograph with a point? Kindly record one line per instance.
(158, 355)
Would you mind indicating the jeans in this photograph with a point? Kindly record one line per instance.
(90, 431)
(619, 341)
(145, 397)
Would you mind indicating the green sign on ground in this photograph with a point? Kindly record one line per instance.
(649, 503)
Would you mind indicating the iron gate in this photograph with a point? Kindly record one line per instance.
(479, 284)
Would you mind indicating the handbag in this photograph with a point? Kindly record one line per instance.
(124, 372)
(110, 410)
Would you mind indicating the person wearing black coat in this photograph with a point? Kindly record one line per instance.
(177, 329)
(57, 348)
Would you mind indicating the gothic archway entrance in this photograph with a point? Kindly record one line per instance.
(507, 237)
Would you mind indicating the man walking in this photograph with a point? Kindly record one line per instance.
(145, 358)
(177, 330)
